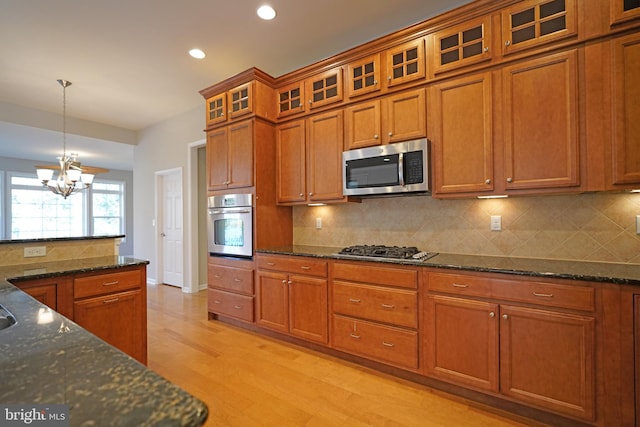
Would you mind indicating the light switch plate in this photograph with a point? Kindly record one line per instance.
(496, 223)
(34, 251)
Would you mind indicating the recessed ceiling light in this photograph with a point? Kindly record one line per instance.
(197, 53)
(266, 12)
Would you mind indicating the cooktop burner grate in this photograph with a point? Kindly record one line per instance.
(392, 252)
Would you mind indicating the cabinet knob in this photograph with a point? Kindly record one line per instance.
(505, 316)
(486, 49)
(375, 136)
(492, 314)
(390, 133)
(487, 181)
(284, 281)
(507, 43)
(310, 193)
(289, 282)
(389, 78)
(509, 179)
(301, 195)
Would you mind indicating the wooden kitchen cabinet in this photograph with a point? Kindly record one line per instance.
(230, 156)
(363, 76)
(113, 306)
(230, 290)
(54, 292)
(462, 45)
(375, 312)
(291, 99)
(324, 88)
(309, 160)
(405, 62)
(247, 99)
(532, 23)
(626, 110)
(394, 118)
(624, 10)
(541, 123)
(461, 133)
(543, 355)
(292, 296)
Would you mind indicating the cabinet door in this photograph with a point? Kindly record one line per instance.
(291, 99)
(461, 341)
(461, 131)
(363, 76)
(240, 100)
(324, 157)
(273, 301)
(290, 162)
(241, 155)
(117, 319)
(626, 125)
(54, 292)
(624, 10)
(541, 122)
(404, 116)
(308, 308)
(535, 22)
(547, 360)
(216, 109)
(362, 125)
(406, 62)
(325, 88)
(217, 159)
(463, 44)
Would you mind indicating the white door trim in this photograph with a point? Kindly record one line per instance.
(191, 229)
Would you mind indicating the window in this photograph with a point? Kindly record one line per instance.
(107, 208)
(35, 212)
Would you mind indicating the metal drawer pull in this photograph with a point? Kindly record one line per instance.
(354, 336)
(388, 344)
(110, 283)
(217, 276)
(237, 307)
(304, 267)
(459, 285)
(237, 280)
(355, 300)
(538, 294)
(109, 301)
(388, 306)
(271, 264)
(217, 302)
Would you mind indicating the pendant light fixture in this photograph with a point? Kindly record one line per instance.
(72, 178)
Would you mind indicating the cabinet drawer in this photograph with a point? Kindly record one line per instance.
(459, 284)
(395, 306)
(548, 294)
(231, 279)
(232, 305)
(295, 265)
(387, 344)
(100, 284)
(376, 275)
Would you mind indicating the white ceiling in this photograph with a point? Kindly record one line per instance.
(128, 61)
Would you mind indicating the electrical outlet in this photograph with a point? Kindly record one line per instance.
(34, 251)
(318, 223)
(496, 223)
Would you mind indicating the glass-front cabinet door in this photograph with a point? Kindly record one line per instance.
(363, 76)
(405, 62)
(624, 10)
(462, 45)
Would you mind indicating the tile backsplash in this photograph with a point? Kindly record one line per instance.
(588, 227)
(62, 250)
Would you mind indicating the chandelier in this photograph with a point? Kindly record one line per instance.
(72, 178)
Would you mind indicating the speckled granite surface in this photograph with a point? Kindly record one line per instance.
(576, 270)
(61, 363)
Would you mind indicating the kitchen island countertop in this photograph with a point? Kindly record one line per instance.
(604, 272)
(55, 361)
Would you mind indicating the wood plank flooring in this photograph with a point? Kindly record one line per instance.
(249, 380)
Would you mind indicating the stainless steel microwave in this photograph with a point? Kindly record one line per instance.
(398, 168)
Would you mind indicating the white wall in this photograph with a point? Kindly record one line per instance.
(161, 147)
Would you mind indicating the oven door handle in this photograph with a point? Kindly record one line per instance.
(228, 211)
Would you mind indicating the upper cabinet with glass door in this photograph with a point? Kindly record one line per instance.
(253, 97)
(624, 10)
(324, 88)
(535, 22)
(363, 76)
(462, 44)
(405, 62)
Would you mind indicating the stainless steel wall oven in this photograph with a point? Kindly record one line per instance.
(230, 225)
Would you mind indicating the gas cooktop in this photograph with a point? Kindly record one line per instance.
(389, 252)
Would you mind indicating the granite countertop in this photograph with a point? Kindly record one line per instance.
(603, 272)
(59, 362)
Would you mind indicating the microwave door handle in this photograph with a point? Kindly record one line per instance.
(401, 168)
(228, 210)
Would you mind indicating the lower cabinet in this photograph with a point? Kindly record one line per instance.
(230, 289)
(539, 356)
(375, 312)
(54, 292)
(113, 306)
(292, 296)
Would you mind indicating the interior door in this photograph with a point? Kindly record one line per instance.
(171, 231)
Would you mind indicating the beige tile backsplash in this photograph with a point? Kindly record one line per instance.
(588, 227)
(13, 253)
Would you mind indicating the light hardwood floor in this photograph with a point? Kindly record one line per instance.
(249, 380)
